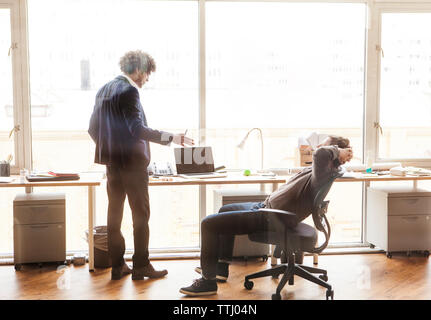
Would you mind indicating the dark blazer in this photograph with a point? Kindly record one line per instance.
(119, 127)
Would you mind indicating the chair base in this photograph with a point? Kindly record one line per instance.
(289, 270)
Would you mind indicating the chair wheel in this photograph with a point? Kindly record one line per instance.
(18, 267)
(324, 277)
(248, 284)
(276, 296)
(265, 258)
(329, 293)
(426, 254)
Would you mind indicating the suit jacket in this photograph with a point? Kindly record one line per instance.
(119, 127)
(298, 194)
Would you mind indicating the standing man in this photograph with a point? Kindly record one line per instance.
(119, 128)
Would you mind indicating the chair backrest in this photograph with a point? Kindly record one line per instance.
(320, 207)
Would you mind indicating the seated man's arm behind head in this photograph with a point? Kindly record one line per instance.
(325, 159)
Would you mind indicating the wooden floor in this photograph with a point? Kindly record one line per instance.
(355, 276)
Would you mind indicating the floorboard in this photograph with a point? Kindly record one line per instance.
(354, 276)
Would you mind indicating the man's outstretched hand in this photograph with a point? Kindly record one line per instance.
(182, 140)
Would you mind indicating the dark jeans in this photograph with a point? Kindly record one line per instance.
(132, 182)
(218, 232)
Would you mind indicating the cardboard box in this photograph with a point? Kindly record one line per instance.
(305, 155)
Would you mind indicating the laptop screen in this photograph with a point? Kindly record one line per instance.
(194, 160)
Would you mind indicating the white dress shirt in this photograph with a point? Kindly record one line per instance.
(133, 83)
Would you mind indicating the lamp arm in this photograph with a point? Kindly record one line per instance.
(261, 143)
(261, 147)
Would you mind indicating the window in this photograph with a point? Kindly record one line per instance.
(78, 57)
(289, 69)
(405, 86)
(7, 123)
(12, 94)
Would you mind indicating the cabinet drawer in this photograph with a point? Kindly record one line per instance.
(39, 214)
(409, 233)
(39, 243)
(409, 206)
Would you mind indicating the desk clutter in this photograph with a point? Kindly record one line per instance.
(52, 176)
(384, 168)
(410, 171)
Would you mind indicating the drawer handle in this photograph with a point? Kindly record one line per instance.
(410, 218)
(411, 201)
(41, 208)
(38, 227)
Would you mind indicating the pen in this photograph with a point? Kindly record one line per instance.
(186, 131)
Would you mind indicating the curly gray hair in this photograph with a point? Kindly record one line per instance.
(137, 60)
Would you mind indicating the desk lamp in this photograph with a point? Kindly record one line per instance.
(242, 143)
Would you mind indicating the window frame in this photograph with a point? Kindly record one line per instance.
(20, 84)
(374, 77)
(22, 109)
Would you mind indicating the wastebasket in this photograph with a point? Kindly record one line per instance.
(101, 256)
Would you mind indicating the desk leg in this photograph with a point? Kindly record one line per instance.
(272, 247)
(366, 185)
(91, 222)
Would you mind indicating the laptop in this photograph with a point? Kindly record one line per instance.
(195, 163)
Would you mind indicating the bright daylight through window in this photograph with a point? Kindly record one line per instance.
(287, 68)
(405, 87)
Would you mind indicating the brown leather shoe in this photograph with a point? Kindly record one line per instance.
(118, 272)
(147, 271)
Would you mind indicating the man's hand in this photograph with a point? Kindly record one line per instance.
(345, 155)
(182, 140)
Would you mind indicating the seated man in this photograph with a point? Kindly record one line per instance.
(297, 195)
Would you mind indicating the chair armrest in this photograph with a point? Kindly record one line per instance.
(287, 218)
(269, 210)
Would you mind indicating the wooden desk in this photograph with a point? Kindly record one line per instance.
(368, 178)
(93, 180)
(87, 180)
(230, 179)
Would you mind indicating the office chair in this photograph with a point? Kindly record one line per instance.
(294, 241)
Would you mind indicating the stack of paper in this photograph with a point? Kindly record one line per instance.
(6, 179)
(411, 171)
(414, 171)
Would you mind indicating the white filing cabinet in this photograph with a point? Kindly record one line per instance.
(399, 219)
(39, 228)
(243, 247)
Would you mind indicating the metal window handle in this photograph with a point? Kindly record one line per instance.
(379, 48)
(17, 128)
(378, 126)
(13, 45)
